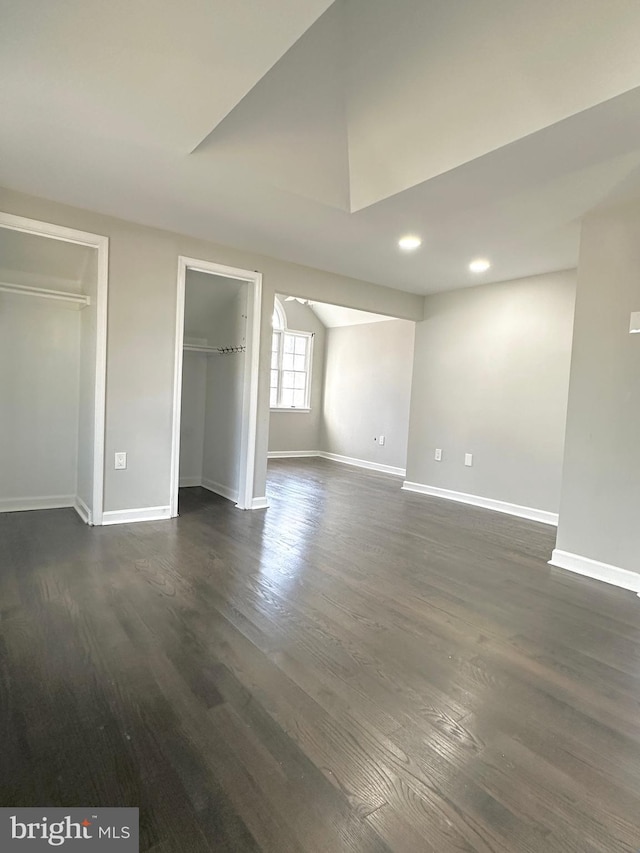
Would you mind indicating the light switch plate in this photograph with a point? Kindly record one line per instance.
(120, 460)
(634, 325)
(468, 459)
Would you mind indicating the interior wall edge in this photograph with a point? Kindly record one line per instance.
(531, 513)
(292, 454)
(596, 570)
(29, 504)
(364, 463)
(83, 510)
(220, 489)
(128, 516)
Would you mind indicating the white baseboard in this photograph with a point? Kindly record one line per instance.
(128, 516)
(292, 454)
(260, 503)
(188, 482)
(363, 463)
(27, 504)
(598, 571)
(223, 491)
(486, 503)
(83, 511)
(219, 489)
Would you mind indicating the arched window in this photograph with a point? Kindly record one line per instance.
(291, 357)
(279, 318)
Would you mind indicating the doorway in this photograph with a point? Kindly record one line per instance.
(215, 405)
(53, 332)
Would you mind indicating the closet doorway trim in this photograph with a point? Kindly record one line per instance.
(101, 243)
(250, 382)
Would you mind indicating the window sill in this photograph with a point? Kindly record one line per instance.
(289, 409)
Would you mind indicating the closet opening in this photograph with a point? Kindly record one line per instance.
(216, 381)
(53, 300)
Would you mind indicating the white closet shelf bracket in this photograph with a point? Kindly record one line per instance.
(76, 300)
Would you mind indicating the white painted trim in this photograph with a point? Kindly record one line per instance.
(596, 570)
(177, 387)
(251, 377)
(128, 516)
(292, 454)
(189, 482)
(220, 489)
(260, 503)
(28, 504)
(100, 400)
(83, 510)
(101, 243)
(363, 463)
(249, 429)
(531, 513)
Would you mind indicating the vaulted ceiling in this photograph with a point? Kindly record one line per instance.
(321, 133)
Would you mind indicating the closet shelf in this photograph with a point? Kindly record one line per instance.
(76, 300)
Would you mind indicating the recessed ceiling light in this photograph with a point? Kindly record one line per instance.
(479, 265)
(409, 243)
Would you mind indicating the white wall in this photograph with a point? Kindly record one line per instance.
(600, 505)
(298, 430)
(223, 408)
(213, 384)
(367, 391)
(141, 336)
(39, 369)
(194, 396)
(490, 377)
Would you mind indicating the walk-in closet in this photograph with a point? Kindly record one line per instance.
(48, 322)
(213, 382)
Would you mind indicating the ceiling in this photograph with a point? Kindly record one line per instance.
(333, 316)
(321, 133)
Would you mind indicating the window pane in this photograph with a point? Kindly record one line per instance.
(289, 374)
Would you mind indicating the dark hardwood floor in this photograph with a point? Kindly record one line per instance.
(355, 669)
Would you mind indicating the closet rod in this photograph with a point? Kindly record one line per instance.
(78, 299)
(217, 350)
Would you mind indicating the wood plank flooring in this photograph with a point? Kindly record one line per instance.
(355, 669)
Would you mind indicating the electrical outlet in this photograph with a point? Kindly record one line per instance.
(120, 460)
(381, 440)
(468, 459)
(438, 454)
